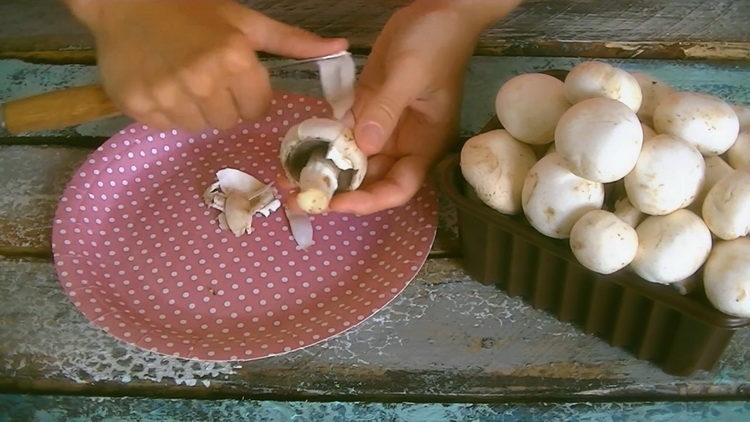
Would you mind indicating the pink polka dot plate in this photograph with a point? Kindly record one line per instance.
(142, 257)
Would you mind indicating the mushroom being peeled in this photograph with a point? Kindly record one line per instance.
(602, 242)
(495, 165)
(667, 176)
(726, 209)
(726, 277)
(653, 91)
(321, 158)
(554, 198)
(594, 79)
(705, 121)
(600, 139)
(529, 106)
(739, 154)
(671, 247)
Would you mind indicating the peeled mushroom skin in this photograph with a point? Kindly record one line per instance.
(671, 247)
(554, 198)
(705, 121)
(495, 165)
(716, 169)
(739, 154)
(726, 208)
(529, 106)
(726, 277)
(594, 79)
(667, 176)
(602, 242)
(600, 139)
(743, 114)
(626, 212)
(653, 90)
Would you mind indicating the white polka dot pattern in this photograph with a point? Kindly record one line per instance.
(140, 255)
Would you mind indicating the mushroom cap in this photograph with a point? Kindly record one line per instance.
(653, 91)
(726, 277)
(334, 137)
(600, 139)
(739, 154)
(743, 114)
(671, 247)
(495, 165)
(726, 209)
(648, 133)
(554, 198)
(705, 121)
(602, 242)
(716, 169)
(593, 79)
(667, 176)
(529, 106)
(626, 212)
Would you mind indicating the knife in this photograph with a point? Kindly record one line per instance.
(82, 104)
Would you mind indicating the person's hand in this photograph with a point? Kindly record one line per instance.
(190, 63)
(408, 97)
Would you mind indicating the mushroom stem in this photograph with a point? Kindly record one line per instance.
(318, 181)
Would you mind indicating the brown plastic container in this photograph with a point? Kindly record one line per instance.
(679, 333)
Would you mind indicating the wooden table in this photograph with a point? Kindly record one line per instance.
(446, 339)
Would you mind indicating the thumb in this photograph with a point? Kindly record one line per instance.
(272, 36)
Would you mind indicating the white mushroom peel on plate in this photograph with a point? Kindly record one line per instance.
(529, 106)
(716, 169)
(743, 114)
(554, 198)
(726, 209)
(594, 79)
(626, 212)
(705, 121)
(667, 176)
(321, 157)
(653, 91)
(600, 139)
(726, 277)
(671, 247)
(495, 165)
(739, 154)
(602, 242)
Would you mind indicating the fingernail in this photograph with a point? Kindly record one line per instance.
(371, 134)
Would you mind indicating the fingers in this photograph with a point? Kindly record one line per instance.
(251, 92)
(398, 186)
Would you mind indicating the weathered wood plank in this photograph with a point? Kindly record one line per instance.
(50, 408)
(692, 29)
(445, 338)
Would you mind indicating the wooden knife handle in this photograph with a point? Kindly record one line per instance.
(57, 110)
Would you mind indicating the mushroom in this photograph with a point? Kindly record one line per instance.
(554, 198)
(495, 165)
(726, 209)
(716, 169)
(743, 114)
(321, 158)
(600, 139)
(706, 122)
(602, 242)
(667, 176)
(739, 154)
(648, 133)
(671, 247)
(529, 106)
(653, 91)
(726, 277)
(597, 79)
(626, 212)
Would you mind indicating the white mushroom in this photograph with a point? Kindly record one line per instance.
(743, 114)
(716, 169)
(626, 212)
(495, 165)
(702, 120)
(554, 198)
(726, 277)
(321, 157)
(671, 247)
(600, 139)
(597, 79)
(653, 91)
(602, 242)
(667, 176)
(726, 209)
(648, 133)
(739, 154)
(529, 106)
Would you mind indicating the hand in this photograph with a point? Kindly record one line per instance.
(190, 63)
(408, 97)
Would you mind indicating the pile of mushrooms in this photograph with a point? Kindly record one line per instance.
(675, 167)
